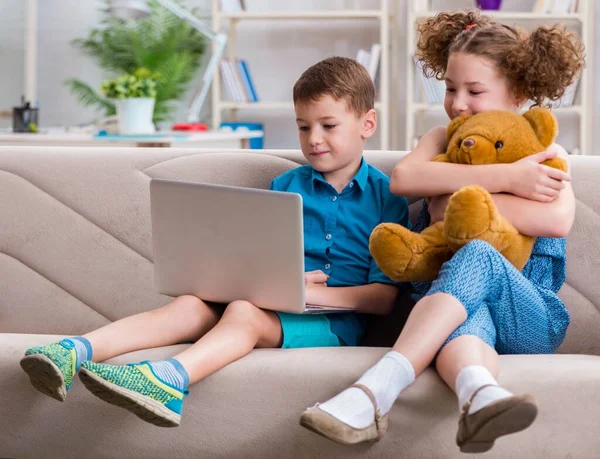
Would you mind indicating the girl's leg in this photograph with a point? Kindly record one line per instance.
(429, 324)
(477, 275)
(469, 365)
(51, 368)
(154, 391)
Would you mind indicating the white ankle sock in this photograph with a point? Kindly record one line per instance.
(386, 379)
(472, 378)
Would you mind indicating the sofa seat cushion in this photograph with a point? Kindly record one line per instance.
(251, 409)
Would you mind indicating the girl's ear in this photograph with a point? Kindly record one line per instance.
(544, 124)
(369, 124)
(454, 125)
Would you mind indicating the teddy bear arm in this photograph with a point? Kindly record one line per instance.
(556, 163)
(443, 158)
(405, 256)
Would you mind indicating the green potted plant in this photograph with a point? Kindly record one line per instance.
(161, 43)
(134, 97)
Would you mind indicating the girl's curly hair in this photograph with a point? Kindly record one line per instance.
(539, 66)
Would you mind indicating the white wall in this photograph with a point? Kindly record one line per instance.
(277, 52)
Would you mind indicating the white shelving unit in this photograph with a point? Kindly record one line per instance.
(582, 21)
(384, 15)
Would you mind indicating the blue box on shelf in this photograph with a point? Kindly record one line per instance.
(255, 144)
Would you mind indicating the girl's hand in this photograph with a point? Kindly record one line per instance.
(437, 207)
(531, 180)
(316, 277)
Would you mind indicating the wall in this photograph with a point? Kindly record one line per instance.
(277, 52)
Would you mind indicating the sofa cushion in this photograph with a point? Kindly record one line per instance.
(251, 409)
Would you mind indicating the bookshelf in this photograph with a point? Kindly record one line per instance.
(383, 16)
(580, 20)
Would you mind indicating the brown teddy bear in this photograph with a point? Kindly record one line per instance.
(486, 138)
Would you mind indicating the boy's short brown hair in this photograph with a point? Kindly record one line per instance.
(341, 78)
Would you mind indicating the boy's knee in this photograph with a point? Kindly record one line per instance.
(242, 310)
(186, 307)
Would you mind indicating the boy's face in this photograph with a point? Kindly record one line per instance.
(332, 138)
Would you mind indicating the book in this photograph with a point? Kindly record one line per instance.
(370, 59)
(239, 88)
(363, 57)
(561, 6)
(247, 80)
(231, 91)
(374, 59)
(433, 89)
(568, 98)
(232, 6)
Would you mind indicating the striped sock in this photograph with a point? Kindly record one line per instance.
(171, 372)
(83, 348)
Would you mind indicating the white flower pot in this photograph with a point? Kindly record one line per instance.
(135, 115)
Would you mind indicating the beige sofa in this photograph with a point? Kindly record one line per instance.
(75, 254)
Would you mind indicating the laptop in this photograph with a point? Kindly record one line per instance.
(224, 243)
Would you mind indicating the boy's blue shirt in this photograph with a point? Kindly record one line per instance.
(337, 226)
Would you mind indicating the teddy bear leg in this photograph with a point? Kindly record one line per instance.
(472, 214)
(405, 256)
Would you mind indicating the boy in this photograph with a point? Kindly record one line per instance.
(344, 199)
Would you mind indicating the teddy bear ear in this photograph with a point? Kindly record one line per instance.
(544, 124)
(454, 125)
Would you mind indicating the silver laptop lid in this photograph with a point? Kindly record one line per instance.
(223, 243)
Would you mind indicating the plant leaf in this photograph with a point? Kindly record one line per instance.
(89, 98)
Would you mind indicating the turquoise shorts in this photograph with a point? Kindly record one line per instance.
(305, 330)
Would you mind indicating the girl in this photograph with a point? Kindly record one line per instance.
(480, 305)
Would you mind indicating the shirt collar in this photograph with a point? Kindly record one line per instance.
(360, 178)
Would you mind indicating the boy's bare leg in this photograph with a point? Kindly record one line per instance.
(469, 366)
(242, 328)
(155, 391)
(186, 318)
(51, 368)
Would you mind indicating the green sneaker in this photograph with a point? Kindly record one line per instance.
(51, 368)
(136, 388)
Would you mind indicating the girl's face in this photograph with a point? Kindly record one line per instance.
(474, 85)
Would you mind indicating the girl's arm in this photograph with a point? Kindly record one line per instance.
(534, 218)
(541, 219)
(417, 175)
(373, 298)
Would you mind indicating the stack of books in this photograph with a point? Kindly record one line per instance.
(555, 6)
(237, 81)
(370, 59)
(433, 89)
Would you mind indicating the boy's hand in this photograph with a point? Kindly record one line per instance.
(312, 294)
(316, 277)
(437, 207)
(531, 180)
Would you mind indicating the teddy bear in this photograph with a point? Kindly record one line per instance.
(485, 138)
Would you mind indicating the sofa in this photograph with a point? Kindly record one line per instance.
(76, 253)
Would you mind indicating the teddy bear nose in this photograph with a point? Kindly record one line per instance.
(469, 142)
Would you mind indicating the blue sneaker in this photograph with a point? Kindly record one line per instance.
(136, 388)
(51, 368)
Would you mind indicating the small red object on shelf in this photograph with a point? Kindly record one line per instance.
(190, 127)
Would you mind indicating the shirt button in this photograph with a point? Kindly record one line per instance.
(351, 184)
(327, 266)
(334, 198)
(328, 237)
